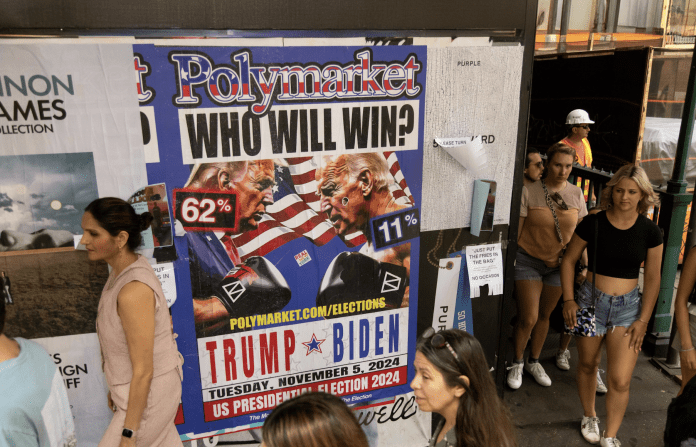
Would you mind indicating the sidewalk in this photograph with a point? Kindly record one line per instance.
(550, 416)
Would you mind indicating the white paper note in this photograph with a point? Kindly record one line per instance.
(468, 151)
(165, 273)
(485, 265)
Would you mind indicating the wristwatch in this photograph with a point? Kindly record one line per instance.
(127, 433)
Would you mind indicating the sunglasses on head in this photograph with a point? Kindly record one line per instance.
(584, 126)
(437, 340)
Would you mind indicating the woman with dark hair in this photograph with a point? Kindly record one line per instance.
(453, 380)
(140, 358)
(549, 212)
(624, 239)
(313, 420)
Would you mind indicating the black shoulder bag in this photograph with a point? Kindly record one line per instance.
(586, 325)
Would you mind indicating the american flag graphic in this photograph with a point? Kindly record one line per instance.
(295, 212)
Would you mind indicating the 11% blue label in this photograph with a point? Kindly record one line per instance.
(395, 228)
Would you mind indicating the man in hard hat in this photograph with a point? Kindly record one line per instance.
(578, 124)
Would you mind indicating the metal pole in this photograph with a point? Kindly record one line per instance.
(613, 15)
(565, 21)
(600, 16)
(553, 15)
(617, 8)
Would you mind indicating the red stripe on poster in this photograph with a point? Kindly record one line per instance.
(255, 403)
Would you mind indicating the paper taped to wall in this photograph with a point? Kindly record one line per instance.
(468, 151)
(485, 266)
(446, 293)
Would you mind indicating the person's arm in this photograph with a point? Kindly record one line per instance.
(681, 311)
(584, 260)
(582, 275)
(651, 288)
(570, 257)
(136, 307)
(524, 202)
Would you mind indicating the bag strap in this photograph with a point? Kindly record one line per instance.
(594, 258)
(553, 212)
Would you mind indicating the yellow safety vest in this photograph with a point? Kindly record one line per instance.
(587, 157)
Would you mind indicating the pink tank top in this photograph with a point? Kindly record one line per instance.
(117, 365)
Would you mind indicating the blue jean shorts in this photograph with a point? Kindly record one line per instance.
(533, 269)
(610, 311)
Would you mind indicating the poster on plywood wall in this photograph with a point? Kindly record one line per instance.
(294, 175)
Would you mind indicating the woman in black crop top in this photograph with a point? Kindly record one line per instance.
(625, 239)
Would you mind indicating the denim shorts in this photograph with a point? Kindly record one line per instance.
(610, 311)
(533, 269)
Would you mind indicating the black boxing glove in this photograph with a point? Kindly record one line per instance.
(354, 276)
(254, 287)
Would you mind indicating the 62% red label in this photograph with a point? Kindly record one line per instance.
(198, 210)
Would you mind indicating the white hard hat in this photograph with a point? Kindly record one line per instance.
(578, 116)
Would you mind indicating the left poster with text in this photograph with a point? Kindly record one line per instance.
(69, 133)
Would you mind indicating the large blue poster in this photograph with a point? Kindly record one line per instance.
(294, 174)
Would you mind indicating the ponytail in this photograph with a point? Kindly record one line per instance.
(146, 219)
(116, 215)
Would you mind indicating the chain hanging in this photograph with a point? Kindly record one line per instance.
(432, 254)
